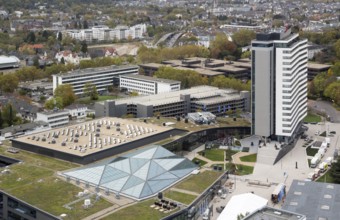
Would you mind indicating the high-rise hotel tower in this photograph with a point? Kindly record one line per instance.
(279, 85)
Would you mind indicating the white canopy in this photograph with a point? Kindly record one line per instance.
(241, 204)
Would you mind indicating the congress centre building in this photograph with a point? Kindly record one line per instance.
(94, 140)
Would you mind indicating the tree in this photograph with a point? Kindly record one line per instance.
(221, 47)
(59, 36)
(8, 114)
(335, 171)
(85, 24)
(133, 93)
(1, 120)
(83, 47)
(91, 91)
(332, 91)
(243, 37)
(8, 83)
(30, 37)
(54, 103)
(65, 92)
(337, 48)
(188, 78)
(36, 62)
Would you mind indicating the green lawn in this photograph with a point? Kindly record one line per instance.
(201, 162)
(312, 118)
(243, 170)
(214, 154)
(179, 197)
(327, 178)
(198, 183)
(311, 151)
(140, 211)
(229, 153)
(249, 158)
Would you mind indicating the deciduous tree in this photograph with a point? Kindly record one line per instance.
(65, 92)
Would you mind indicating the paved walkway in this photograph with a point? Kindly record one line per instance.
(237, 160)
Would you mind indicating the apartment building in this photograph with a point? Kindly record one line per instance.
(279, 84)
(101, 77)
(177, 103)
(147, 85)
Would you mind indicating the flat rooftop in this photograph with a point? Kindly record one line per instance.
(317, 66)
(268, 213)
(152, 65)
(173, 97)
(151, 79)
(93, 136)
(98, 69)
(315, 200)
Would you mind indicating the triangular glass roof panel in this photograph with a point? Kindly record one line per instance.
(136, 163)
(146, 191)
(111, 174)
(159, 185)
(134, 191)
(148, 154)
(165, 176)
(168, 163)
(143, 171)
(123, 165)
(155, 170)
(182, 173)
(132, 182)
(116, 185)
(162, 152)
(91, 175)
(185, 164)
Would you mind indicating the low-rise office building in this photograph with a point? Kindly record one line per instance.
(54, 118)
(101, 77)
(9, 62)
(23, 129)
(314, 69)
(14, 208)
(203, 66)
(200, 98)
(77, 111)
(147, 85)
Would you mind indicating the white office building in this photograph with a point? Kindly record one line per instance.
(101, 77)
(77, 111)
(146, 85)
(54, 118)
(279, 84)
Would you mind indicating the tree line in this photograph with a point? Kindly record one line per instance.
(190, 78)
(220, 48)
(326, 86)
(9, 82)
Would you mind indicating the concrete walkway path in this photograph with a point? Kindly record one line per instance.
(236, 159)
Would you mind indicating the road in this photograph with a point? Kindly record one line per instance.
(323, 106)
